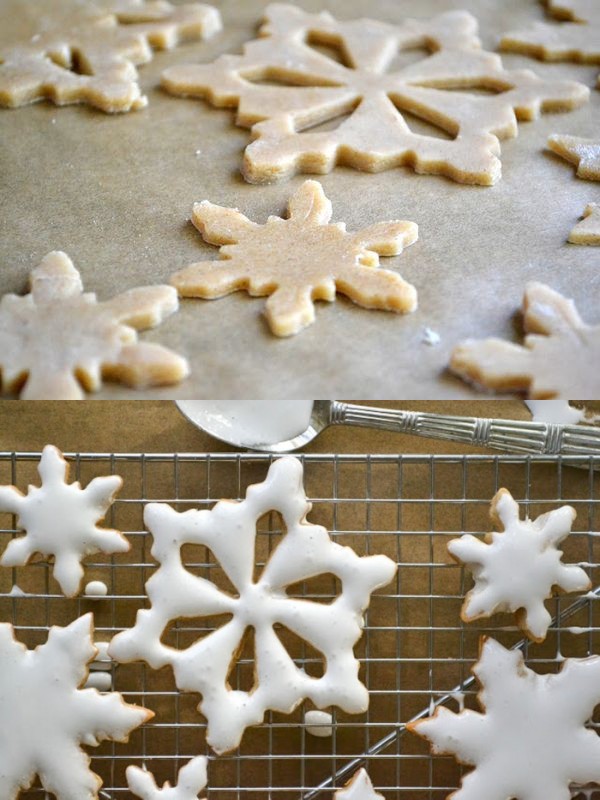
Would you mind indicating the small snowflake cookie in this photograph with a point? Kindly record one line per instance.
(517, 567)
(57, 341)
(577, 39)
(191, 781)
(59, 520)
(299, 260)
(304, 551)
(87, 53)
(359, 787)
(531, 741)
(587, 231)
(558, 358)
(46, 716)
(370, 96)
(584, 153)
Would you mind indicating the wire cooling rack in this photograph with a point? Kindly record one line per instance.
(415, 653)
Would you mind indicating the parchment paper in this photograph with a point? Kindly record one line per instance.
(115, 192)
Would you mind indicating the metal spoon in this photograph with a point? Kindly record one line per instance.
(512, 436)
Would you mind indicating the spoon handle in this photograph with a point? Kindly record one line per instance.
(511, 436)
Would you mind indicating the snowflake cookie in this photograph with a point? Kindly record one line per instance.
(359, 787)
(585, 153)
(47, 716)
(305, 551)
(517, 567)
(573, 40)
(191, 781)
(588, 230)
(557, 360)
(312, 88)
(88, 54)
(531, 741)
(59, 520)
(298, 260)
(58, 341)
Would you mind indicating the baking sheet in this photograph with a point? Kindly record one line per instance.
(115, 192)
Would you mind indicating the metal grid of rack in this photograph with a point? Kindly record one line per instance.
(415, 653)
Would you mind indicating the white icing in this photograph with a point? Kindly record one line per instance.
(99, 680)
(430, 337)
(16, 591)
(102, 660)
(359, 787)
(459, 698)
(530, 742)
(46, 716)
(252, 422)
(577, 630)
(515, 569)
(190, 782)
(555, 411)
(96, 589)
(318, 723)
(306, 550)
(60, 520)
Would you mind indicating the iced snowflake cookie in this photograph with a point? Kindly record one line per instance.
(59, 520)
(557, 359)
(585, 153)
(191, 781)
(88, 52)
(588, 230)
(577, 39)
(58, 341)
(46, 716)
(304, 551)
(359, 787)
(531, 741)
(313, 88)
(517, 567)
(298, 260)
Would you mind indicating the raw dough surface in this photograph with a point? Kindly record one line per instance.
(115, 191)
(299, 260)
(585, 153)
(559, 357)
(313, 89)
(588, 230)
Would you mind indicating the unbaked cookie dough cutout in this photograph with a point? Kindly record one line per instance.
(192, 779)
(257, 603)
(58, 341)
(559, 356)
(47, 716)
(88, 53)
(530, 740)
(462, 90)
(574, 37)
(588, 230)
(517, 567)
(584, 153)
(298, 260)
(60, 520)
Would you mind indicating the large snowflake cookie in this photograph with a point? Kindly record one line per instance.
(305, 551)
(359, 787)
(59, 520)
(517, 567)
(313, 88)
(299, 260)
(587, 231)
(46, 716)
(584, 153)
(191, 781)
(577, 39)
(558, 359)
(531, 741)
(87, 53)
(57, 341)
